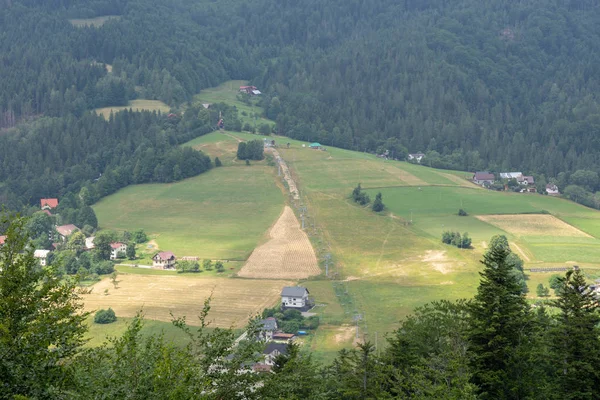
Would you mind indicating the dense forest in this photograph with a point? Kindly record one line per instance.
(495, 346)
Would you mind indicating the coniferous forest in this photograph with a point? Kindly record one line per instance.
(497, 85)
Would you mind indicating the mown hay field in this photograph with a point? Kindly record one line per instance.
(95, 22)
(135, 105)
(233, 300)
(288, 254)
(533, 225)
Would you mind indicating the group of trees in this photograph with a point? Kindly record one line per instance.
(495, 346)
(456, 239)
(251, 150)
(362, 198)
(291, 321)
(184, 266)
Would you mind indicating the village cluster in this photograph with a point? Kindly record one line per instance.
(525, 183)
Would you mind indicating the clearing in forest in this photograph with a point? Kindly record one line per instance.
(533, 225)
(95, 22)
(287, 255)
(233, 300)
(135, 105)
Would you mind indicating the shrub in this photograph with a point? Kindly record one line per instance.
(105, 316)
(462, 213)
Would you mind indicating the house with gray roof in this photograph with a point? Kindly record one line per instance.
(295, 297)
(267, 328)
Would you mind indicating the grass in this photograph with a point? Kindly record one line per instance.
(135, 105)
(222, 214)
(95, 22)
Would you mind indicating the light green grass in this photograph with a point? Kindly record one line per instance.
(135, 105)
(95, 22)
(221, 214)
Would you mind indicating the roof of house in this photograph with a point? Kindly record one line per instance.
(116, 245)
(165, 255)
(2, 239)
(41, 253)
(206, 105)
(47, 212)
(294, 291)
(282, 335)
(256, 92)
(483, 176)
(315, 144)
(510, 175)
(269, 324)
(417, 155)
(258, 367)
(89, 242)
(272, 346)
(52, 203)
(551, 186)
(528, 179)
(66, 230)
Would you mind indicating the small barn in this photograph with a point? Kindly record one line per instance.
(315, 145)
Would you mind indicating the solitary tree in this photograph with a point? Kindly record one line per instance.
(131, 251)
(207, 265)
(378, 205)
(542, 291)
(219, 266)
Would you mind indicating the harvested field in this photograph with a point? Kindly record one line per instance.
(439, 261)
(234, 300)
(405, 177)
(533, 225)
(287, 255)
(135, 105)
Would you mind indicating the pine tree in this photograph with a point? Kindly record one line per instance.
(575, 339)
(378, 205)
(500, 322)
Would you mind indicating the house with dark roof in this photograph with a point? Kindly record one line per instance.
(272, 350)
(416, 156)
(295, 297)
(483, 178)
(526, 180)
(48, 204)
(552, 189)
(267, 328)
(163, 260)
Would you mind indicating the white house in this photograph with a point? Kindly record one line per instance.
(294, 297)
(552, 189)
(116, 248)
(41, 255)
(416, 156)
(164, 260)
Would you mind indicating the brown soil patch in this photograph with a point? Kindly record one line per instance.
(533, 225)
(218, 149)
(233, 301)
(345, 335)
(288, 254)
(459, 180)
(438, 260)
(405, 176)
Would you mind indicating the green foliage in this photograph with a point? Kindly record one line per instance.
(207, 265)
(360, 197)
(378, 205)
(102, 241)
(139, 236)
(41, 321)
(218, 162)
(456, 239)
(462, 213)
(219, 267)
(105, 316)
(130, 253)
(251, 150)
(542, 291)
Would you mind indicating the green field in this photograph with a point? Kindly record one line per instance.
(135, 105)
(221, 214)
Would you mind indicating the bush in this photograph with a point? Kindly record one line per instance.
(105, 316)
(455, 239)
(218, 162)
(462, 213)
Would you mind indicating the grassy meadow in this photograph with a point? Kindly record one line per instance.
(95, 22)
(135, 105)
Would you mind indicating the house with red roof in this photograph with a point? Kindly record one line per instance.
(48, 204)
(116, 248)
(163, 260)
(2, 240)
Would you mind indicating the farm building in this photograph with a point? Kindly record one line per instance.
(483, 178)
(416, 156)
(525, 180)
(552, 189)
(65, 230)
(42, 256)
(295, 297)
(251, 90)
(48, 204)
(281, 336)
(164, 260)
(116, 248)
(315, 145)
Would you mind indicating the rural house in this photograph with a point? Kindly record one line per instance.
(483, 178)
(164, 260)
(416, 156)
(42, 256)
(116, 248)
(268, 327)
(48, 204)
(295, 297)
(272, 351)
(525, 180)
(251, 90)
(552, 189)
(65, 230)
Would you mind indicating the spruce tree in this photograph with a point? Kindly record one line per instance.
(575, 340)
(500, 322)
